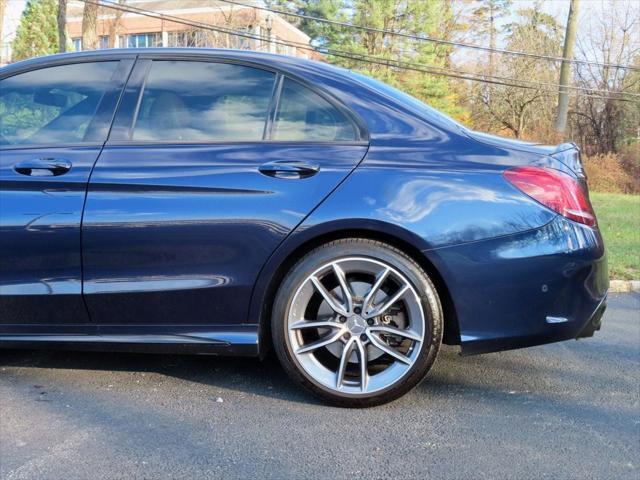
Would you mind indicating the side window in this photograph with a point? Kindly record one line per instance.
(52, 105)
(202, 101)
(305, 115)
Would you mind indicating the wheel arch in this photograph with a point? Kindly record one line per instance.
(301, 243)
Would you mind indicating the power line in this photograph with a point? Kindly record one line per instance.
(482, 77)
(340, 54)
(477, 77)
(350, 55)
(426, 38)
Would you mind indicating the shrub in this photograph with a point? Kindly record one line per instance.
(615, 173)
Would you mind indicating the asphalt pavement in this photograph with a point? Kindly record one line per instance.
(566, 410)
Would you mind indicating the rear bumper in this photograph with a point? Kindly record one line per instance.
(541, 286)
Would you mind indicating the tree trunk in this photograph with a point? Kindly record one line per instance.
(90, 26)
(114, 28)
(3, 4)
(521, 124)
(62, 26)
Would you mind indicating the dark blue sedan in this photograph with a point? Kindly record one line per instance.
(227, 202)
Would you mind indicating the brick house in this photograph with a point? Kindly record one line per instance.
(117, 29)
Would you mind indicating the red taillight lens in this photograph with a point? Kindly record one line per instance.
(554, 189)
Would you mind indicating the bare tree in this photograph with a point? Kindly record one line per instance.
(613, 38)
(232, 19)
(90, 26)
(522, 112)
(62, 25)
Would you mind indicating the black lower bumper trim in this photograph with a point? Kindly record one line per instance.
(595, 322)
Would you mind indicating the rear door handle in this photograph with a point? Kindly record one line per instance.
(43, 167)
(289, 169)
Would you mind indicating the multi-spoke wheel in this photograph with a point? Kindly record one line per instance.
(357, 322)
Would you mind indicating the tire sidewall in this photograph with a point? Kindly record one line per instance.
(377, 251)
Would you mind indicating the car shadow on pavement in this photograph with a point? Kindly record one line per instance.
(491, 375)
(247, 375)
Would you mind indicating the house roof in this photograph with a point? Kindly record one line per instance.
(203, 10)
(75, 7)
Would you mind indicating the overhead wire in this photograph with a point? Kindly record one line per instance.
(364, 58)
(426, 38)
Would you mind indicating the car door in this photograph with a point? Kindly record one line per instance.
(53, 123)
(189, 198)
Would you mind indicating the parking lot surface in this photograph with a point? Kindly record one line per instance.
(567, 410)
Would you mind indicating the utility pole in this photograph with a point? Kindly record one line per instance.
(565, 69)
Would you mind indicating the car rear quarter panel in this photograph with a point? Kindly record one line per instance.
(442, 198)
(425, 194)
(506, 261)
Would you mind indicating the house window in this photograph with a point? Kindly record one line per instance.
(265, 37)
(188, 38)
(103, 41)
(284, 49)
(141, 40)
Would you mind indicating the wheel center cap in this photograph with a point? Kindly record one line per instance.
(356, 324)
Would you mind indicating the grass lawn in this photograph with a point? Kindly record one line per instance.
(619, 220)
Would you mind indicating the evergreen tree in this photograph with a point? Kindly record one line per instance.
(485, 17)
(37, 33)
(322, 34)
(415, 18)
(427, 18)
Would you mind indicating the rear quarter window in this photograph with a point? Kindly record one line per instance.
(303, 115)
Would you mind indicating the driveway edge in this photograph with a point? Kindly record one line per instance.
(624, 286)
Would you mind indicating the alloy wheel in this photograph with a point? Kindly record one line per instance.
(356, 325)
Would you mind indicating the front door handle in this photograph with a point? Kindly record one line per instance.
(289, 169)
(43, 167)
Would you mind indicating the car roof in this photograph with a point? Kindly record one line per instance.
(267, 59)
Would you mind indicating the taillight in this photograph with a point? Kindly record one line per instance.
(554, 189)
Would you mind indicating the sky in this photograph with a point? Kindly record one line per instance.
(558, 8)
(12, 16)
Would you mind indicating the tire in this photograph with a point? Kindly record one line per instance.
(321, 336)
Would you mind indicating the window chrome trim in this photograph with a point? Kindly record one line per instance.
(39, 146)
(200, 143)
(38, 63)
